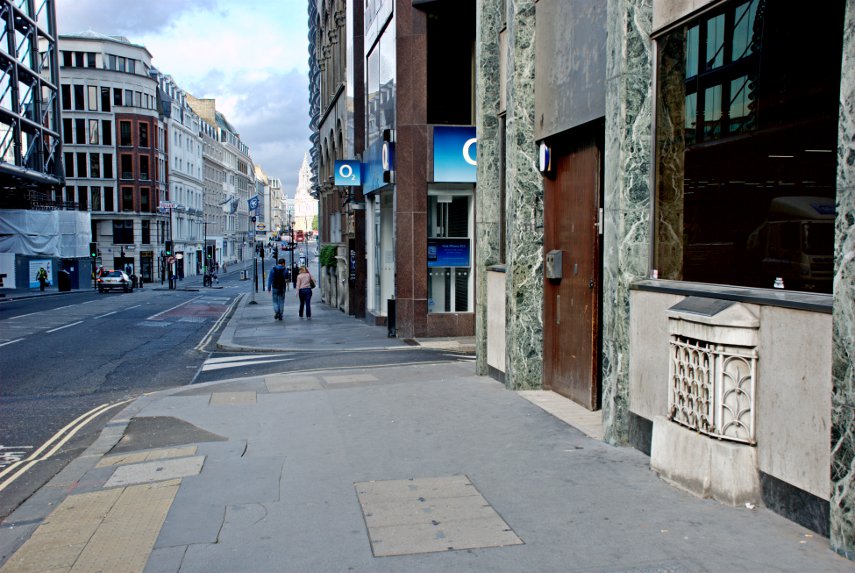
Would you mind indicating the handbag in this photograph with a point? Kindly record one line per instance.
(311, 282)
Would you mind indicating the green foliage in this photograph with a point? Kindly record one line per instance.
(327, 256)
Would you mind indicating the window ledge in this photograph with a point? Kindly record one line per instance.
(798, 300)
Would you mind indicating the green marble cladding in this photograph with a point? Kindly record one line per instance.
(487, 199)
(629, 73)
(524, 222)
(842, 515)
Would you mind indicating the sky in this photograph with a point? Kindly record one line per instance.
(249, 55)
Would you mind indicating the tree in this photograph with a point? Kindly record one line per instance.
(315, 223)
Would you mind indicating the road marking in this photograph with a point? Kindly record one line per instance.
(12, 342)
(89, 302)
(66, 306)
(210, 367)
(108, 314)
(207, 338)
(23, 315)
(66, 326)
(155, 316)
(12, 454)
(240, 358)
(130, 307)
(69, 430)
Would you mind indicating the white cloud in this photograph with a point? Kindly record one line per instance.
(249, 55)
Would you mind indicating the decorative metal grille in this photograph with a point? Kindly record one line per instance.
(712, 388)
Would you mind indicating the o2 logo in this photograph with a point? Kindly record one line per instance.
(348, 173)
(455, 154)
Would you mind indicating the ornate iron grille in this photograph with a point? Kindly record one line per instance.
(712, 388)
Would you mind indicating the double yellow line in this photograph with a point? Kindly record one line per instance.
(52, 445)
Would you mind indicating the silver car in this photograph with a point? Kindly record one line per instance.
(115, 280)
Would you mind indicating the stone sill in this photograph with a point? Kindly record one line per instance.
(798, 300)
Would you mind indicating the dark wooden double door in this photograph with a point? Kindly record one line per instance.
(572, 225)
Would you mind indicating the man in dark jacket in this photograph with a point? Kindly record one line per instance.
(276, 283)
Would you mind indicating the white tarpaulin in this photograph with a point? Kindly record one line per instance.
(63, 234)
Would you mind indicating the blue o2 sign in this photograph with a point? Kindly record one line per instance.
(443, 252)
(348, 173)
(455, 154)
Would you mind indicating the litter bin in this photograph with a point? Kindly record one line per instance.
(64, 281)
(243, 275)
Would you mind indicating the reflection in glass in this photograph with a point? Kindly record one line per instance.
(715, 42)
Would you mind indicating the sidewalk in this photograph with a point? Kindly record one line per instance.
(405, 468)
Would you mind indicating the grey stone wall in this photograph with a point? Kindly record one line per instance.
(629, 73)
(843, 365)
(524, 363)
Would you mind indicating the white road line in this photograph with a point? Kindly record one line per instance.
(23, 315)
(108, 314)
(217, 323)
(72, 428)
(66, 326)
(130, 307)
(89, 302)
(12, 342)
(66, 306)
(154, 316)
(240, 358)
(209, 367)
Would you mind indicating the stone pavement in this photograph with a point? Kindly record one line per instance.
(423, 467)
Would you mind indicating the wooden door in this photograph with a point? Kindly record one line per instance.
(572, 303)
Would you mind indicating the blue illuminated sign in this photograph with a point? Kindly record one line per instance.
(448, 252)
(348, 173)
(455, 154)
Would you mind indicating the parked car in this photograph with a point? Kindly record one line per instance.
(115, 280)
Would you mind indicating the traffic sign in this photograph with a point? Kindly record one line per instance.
(170, 260)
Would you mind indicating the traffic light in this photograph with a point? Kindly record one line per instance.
(93, 250)
(167, 248)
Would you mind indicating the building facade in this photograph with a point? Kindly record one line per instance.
(185, 177)
(39, 226)
(665, 234)
(114, 147)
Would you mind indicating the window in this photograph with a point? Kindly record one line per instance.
(125, 134)
(78, 59)
(449, 252)
(93, 97)
(111, 62)
(123, 232)
(105, 99)
(144, 172)
(69, 164)
(108, 165)
(739, 210)
(127, 167)
(90, 59)
(80, 129)
(106, 132)
(79, 96)
(121, 64)
(108, 199)
(93, 132)
(145, 204)
(127, 199)
(143, 135)
(66, 95)
(81, 164)
(132, 66)
(95, 194)
(67, 59)
(67, 130)
(145, 229)
(129, 98)
(117, 96)
(95, 165)
(83, 198)
(137, 99)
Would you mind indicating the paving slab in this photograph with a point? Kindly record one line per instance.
(158, 470)
(233, 398)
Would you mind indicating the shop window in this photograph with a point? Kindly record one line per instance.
(449, 253)
(746, 145)
(123, 232)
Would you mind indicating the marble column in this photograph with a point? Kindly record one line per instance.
(524, 222)
(629, 73)
(843, 317)
(488, 195)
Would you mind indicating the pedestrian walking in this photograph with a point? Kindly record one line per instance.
(276, 281)
(305, 284)
(42, 277)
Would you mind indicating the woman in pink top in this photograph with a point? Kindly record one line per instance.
(304, 291)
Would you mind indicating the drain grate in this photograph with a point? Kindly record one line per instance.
(406, 517)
